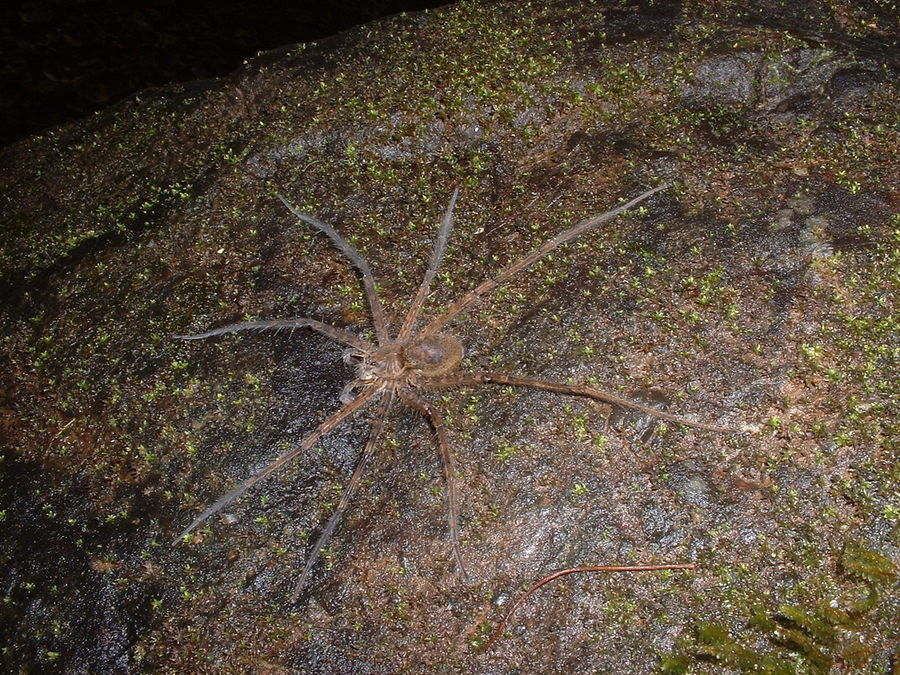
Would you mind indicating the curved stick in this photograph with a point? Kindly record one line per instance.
(589, 568)
(462, 303)
(336, 334)
(427, 410)
(348, 250)
(368, 451)
(304, 445)
(572, 389)
(440, 246)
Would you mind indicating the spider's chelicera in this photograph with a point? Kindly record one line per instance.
(402, 367)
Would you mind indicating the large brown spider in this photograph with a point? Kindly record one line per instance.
(401, 367)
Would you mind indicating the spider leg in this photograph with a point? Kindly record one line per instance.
(348, 250)
(325, 537)
(440, 246)
(336, 334)
(308, 442)
(488, 285)
(463, 379)
(433, 415)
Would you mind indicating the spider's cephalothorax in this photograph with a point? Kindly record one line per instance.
(401, 363)
(384, 365)
(405, 366)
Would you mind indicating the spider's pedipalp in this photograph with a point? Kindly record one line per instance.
(348, 250)
(347, 395)
(310, 440)
(336, 334)
(349, 355)
(328, 531)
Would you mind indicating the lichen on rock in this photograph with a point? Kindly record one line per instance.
(761, 290)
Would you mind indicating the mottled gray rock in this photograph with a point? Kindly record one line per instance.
(758, 292)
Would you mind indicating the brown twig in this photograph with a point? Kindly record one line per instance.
(589, 568)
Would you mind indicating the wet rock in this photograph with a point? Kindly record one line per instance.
(689, 480)
(160, 216)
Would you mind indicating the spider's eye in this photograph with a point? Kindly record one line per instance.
(434, 354)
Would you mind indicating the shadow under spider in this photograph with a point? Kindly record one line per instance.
(402, 367)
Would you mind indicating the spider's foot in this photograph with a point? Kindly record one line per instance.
(301, 583)
(460, 568)
(295, 596)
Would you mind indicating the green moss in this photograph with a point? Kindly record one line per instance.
(800, 638)
(527, 122)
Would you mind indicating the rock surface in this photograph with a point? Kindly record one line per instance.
(759, 292)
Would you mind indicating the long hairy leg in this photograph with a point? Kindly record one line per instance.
(336, 334)
(433, 415)
(488, 285)
(437, 254)
(325, 537)
(465, 379)
(304, 445)
(348, 250)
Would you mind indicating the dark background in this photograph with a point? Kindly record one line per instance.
(64, 59)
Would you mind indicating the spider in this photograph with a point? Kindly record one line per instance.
(389, 369)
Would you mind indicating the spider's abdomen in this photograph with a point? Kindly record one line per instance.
(433, 355)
